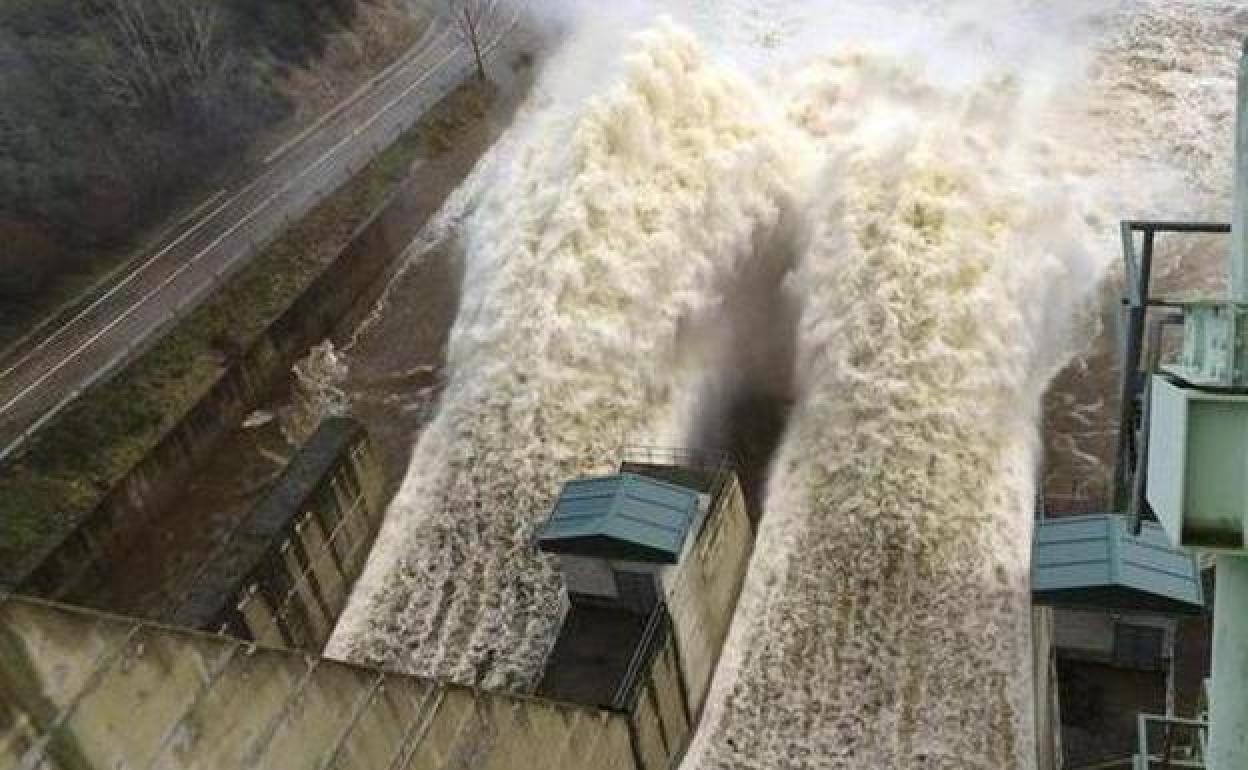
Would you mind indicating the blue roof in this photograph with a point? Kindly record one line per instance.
(1093, 561)
(624, 516)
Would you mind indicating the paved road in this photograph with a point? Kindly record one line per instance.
(58, 363)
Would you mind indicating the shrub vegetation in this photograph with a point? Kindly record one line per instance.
(113, 113)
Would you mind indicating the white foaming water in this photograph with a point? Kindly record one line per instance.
(955, 174)
(897, 635)
(584, 256)
(885, 621)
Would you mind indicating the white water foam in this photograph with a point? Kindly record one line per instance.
(936, 251)
(583, 259)
(885, 621)
(956, 173)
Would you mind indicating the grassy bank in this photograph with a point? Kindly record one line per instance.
(68, 468)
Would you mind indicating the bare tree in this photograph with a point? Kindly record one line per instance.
(159, 48)
(196, 33)
(468, 19)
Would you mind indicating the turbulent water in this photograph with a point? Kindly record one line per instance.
(1164, 84)
(604, 232)
(906, 475)
(942, 180)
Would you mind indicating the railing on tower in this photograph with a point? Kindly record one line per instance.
(1137, 301)
(709, 471)
(1180, 744)
(658, 628)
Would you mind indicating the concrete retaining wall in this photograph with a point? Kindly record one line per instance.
(80, 690)
(1044, 682)
(660, 720)
(284, 576)
(701, 592)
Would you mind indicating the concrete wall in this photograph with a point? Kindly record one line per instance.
(80, 690)
(104, 534)
(1083, 633)
(1089, 635)
(661, 720)
(702, 590)
(285, 575)
(1044, 679)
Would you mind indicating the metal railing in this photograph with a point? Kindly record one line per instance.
(1137, 300)
(714, 471)
(657, 630)
(1052, 506)
(716, 468)
(1174, 752)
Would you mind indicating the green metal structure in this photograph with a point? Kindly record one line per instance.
(623, 516)
(1095, 562)
(1198, 470)
(1198, 462)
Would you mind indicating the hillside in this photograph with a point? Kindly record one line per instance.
(115, 115)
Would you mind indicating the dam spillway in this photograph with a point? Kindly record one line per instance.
(937, 305)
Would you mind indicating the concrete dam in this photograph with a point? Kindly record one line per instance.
(937, 195)
(747, 441)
